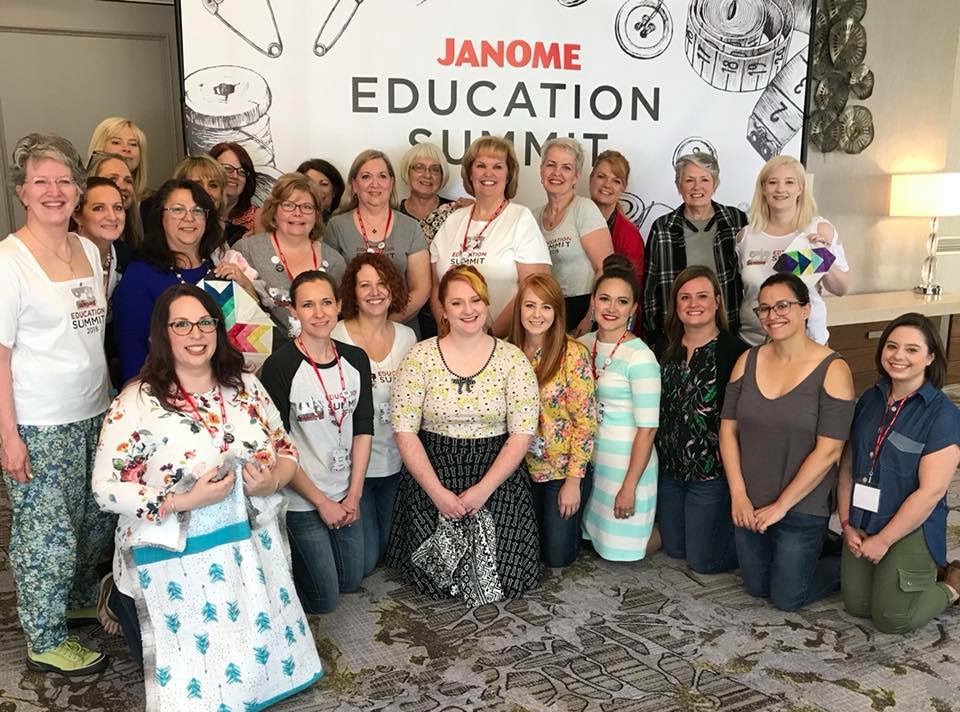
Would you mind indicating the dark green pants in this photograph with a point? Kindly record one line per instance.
(901, 592)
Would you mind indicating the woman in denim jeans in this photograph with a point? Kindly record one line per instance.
(693, 505)
(894, 475)
(786, 416)
(559, 456)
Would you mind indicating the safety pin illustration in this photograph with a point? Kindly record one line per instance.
(246, 22)
(341, 13)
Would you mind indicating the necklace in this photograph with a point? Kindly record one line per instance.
(608, 360)
(179, 276)
(465, 382)
(281, 265)
(228, 438)
(363, 232)
(68, 262)
(478, 239)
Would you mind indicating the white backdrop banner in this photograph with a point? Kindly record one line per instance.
(291, 79)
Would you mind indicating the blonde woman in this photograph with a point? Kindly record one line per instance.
(120, 135)
(786, 235)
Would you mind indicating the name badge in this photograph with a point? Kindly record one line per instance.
(385, 414)
(538, 447)
(866, 497)
(339, 459)
(600, 409)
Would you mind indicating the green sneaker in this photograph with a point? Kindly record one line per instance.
(69, 658)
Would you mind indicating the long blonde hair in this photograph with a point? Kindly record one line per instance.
(106, 130)
(759, 215)
(555, 340)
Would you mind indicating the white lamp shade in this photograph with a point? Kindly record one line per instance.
(926, 195)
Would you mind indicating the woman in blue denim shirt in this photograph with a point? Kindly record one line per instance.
(902, 454)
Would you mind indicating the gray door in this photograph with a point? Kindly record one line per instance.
(68, 64)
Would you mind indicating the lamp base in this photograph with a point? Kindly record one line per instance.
(932, 290)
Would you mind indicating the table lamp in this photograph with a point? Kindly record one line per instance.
(926, 195)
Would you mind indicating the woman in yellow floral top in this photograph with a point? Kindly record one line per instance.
(464, 409)
(193, 412)
(559, 456)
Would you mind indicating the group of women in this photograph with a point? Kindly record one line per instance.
(534, 418)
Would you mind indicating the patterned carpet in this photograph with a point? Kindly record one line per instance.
(596, 637)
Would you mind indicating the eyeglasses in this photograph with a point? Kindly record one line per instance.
(288, 206)
(780, 308)
(434, 168)
(180, 212)
(184, 327)
(230, 170)
(43, 183)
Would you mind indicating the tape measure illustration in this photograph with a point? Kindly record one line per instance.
(738, 45)
(778, 114)
(247, 19)
(231, 103)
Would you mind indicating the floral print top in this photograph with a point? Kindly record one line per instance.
(501, 398)
(146, 452)
(568, 419)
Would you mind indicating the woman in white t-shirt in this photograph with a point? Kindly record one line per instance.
(53, 393)
(786, 235)
(575, 230)
(372, 290)
(501, 239)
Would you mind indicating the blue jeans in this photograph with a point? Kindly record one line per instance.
(696, 524)
(785, 562)
(559, 537)
(376, 515)
(326, 562)
(124, 609)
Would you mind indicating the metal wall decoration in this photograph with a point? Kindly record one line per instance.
(839, 74)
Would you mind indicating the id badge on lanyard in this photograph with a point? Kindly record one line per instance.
(866, 494)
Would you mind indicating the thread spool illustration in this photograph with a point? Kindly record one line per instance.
(693, 144)
(738, 45)
(643, 28)
(636, 210)
(778, 114)
(247, 20)
(333, 27)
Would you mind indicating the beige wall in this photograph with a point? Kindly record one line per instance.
(68, 64)
(916, 112)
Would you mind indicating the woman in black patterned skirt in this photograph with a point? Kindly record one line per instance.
(464, 410)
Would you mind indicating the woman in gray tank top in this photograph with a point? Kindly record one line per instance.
(785, 419)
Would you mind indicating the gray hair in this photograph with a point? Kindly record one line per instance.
(567, 144)
(427, 150)
(36, 147)
(701, 159)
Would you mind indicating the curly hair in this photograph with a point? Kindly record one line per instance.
(394, 281)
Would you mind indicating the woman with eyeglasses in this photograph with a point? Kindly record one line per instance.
(369, 223)
(192, 457)
(293, 220)
(113, 167)
(241, 185)
(785, 418)
(181, 247)
(53, 393)
(785, 235)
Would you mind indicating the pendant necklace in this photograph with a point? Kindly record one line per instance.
(379, 246)
(597, 373)
(465, 382)
(477, 239)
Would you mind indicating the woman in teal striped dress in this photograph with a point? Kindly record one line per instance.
(619, 514)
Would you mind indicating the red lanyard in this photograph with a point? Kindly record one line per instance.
(882, 434)
(363, 232)
(478, 238)
(608, 360)
(195, 414)
(283, 258)
(343, 384)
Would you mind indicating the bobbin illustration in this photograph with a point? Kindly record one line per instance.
(248, 20)
(693, 144)
(333, 27)
(643, 28)
(231, 103)
(778, 114)
(738, 45)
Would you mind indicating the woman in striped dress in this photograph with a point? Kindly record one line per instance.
(619, 515)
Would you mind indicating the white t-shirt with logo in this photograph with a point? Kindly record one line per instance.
(761, 255)
(384, 457)
(571, 264)
(513, 237)
(55, 333)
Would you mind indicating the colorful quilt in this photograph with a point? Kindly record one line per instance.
(249, 328)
